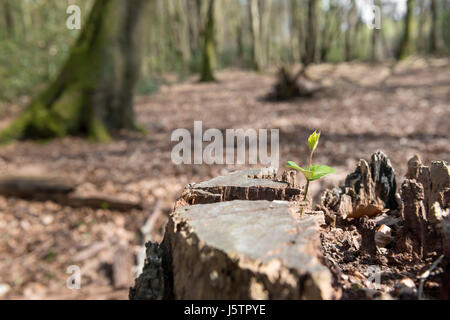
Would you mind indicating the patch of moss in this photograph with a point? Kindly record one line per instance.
(97, 131)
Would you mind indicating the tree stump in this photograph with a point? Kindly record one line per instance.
(367, 191)
(426, 201)
(237, 237)
(290, 85)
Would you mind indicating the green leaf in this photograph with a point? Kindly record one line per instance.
(308, 174)
(313, 140)
(292, 164)
(318, 171)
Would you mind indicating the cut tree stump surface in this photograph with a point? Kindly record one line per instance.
(256, 184)
(237, 249)
(241, 228)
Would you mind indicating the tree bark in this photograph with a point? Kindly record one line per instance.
(329, 31)
(228, 239)
(265, 32)
(255, 34)
(405, 44)
(377, 44)
(312, 31)
(180, 30)
(434, 31)
(9, 21)
(421, 40)
(209, 60)
(93, 93)
(349, 33)
(294, 31)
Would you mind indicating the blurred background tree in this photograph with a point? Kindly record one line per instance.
(93, 92)
(209, 52)
(185, 37)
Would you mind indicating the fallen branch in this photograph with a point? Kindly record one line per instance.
(62, 191)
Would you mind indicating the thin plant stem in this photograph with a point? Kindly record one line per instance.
(307, 181)
(310, 160)
(306, 189)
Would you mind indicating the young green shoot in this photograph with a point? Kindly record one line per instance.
(313, 171)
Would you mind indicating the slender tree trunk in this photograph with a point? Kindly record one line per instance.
(193, 25)
(312, 31)
(239, 41)
(377, 46)
(294, 31)
(9, 21)
(405, 49)
(446, 24)
(209, 62)
(435, 43)
(350, 32)
(255, 34)
(328, 32)
(93, 93)
(421, 47)
(182, 31)
(265, 32)
(377, 43)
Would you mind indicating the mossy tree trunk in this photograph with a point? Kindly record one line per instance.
(405, 49)
(209, 59)
(93, 93)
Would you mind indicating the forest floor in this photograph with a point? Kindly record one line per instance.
(402, 111)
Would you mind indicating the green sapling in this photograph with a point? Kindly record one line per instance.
(314, 171)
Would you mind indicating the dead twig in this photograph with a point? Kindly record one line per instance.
(150, 223)
(424, 276)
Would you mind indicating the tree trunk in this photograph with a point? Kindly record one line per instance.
(294, 31)
(93, 93)
(180, 30)
(193, 25)
(329, 32)
(9, 21)
(208, 63)
(434, 31)
(377, 44)
(405, 44)
(421, 41)
(312, 31)
(255, 34)
(265, 32)
(349, 33)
